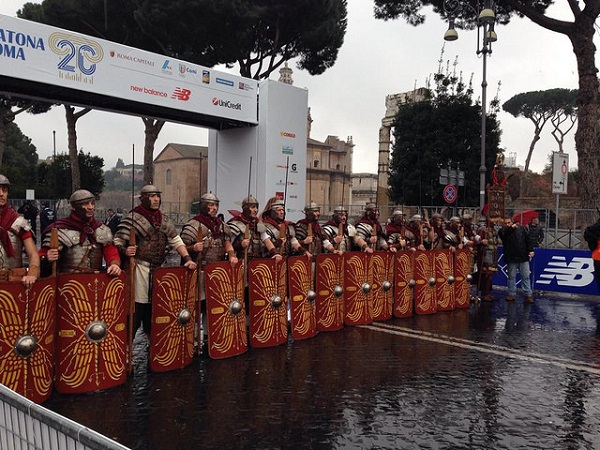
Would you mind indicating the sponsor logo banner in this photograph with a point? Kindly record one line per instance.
(556, 270)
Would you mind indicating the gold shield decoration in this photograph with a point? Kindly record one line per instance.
(383, 283)
(444, 279)
(268, 302)
(425, 302)
(462, 287)
(302, 297)
(405, 284)
(357, 283)
(91, 333)
(329, 284)
(27, 329)
(173, 318)
(225, 311)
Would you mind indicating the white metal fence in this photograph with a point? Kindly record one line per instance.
(25, 425)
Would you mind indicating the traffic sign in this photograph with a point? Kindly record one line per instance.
(450, 193)
(560, 172)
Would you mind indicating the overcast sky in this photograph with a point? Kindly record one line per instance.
(377, 59)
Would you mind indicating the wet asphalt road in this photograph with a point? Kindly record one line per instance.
(497, 376)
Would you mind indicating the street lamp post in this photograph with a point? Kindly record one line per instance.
(486, 19)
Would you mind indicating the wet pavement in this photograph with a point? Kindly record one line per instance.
(497, 376)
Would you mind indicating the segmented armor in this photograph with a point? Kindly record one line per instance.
(301, 232)
(152, 242)
(77, 256)
(365, 231)
(214, 243)
(6, 261)
(330, 232)
(271, 231)
(237, 231)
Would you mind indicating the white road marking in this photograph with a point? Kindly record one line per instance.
(486, 348)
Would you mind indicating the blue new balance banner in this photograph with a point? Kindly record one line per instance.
(557, 270)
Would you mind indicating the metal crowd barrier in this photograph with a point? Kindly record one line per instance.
(25, 425)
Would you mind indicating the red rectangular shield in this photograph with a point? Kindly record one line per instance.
(425, 302)
(444, 279)
(173, 318)
(405, 282)
(27, 321)
(268, 302)
(302, 297)
(358, 276)
(383, 283)
(329, 283)
(91, 333)
(462, 287)
(225, 311)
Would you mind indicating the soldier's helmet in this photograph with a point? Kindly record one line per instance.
(455, 220)
(275, 206)
(338, 212)
(148, 190)
(450, 238)
(207, 199)
(416, 218)
(311, 209)
(398, 216)
(371, 207)
(4, 181)
(467, 217)
(312, 206)
(249, 201)
(81, 196)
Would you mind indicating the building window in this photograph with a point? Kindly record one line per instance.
(337, 167)
(168, 177)
(316, 163)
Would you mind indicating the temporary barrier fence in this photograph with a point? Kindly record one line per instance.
(25, 425)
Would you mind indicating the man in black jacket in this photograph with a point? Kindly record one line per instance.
(518, 251)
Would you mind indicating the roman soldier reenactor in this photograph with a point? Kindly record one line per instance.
(206, 235)
(15, 234)
(154, 234)
(243, 230)
(338, 232)
(454, 233)
(83, 241)
(277, 234)
(369, 232)
(437, 227)
(415, 233)
(395, 230)
(308, 231)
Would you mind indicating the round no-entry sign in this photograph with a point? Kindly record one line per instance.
(450, 193)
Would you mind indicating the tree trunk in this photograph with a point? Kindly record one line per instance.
(152, 130)
(588, 130)
(72, 118)
(534, 141)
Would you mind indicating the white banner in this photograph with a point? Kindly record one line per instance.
(41, 53)
(277, 148)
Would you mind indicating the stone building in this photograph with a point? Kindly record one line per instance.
(328, 164)
(364, 190)
(328, 171)
(180, 172)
